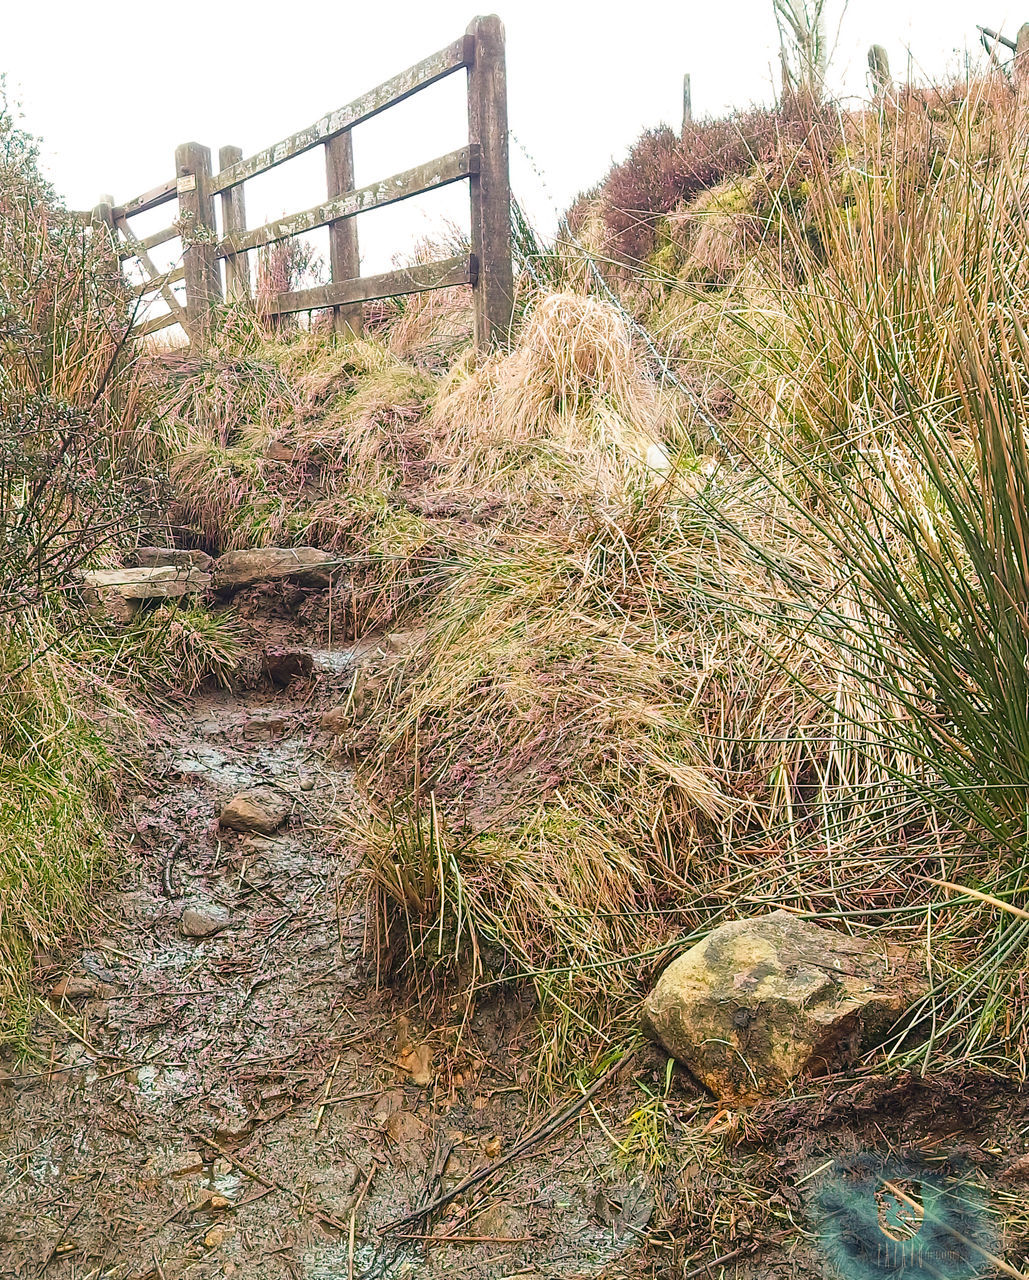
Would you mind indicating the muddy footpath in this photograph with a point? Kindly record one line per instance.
(220, 1085)
(246, 1101)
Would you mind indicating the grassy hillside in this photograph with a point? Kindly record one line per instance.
(720, 574)
(722, 568)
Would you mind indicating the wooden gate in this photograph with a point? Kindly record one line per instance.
(206, 249)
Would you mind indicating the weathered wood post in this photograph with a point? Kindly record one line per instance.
(102, 215)
(1020, 65)
(234, 219)
(687, 101)
(493, 292)
(344, 255)
(199, 237)
(879, 72)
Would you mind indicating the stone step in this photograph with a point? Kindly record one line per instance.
(118, 593)
(306, 565)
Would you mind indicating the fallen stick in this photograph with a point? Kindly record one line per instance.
(431, 1239)
(548, 1129)
(752, 1246)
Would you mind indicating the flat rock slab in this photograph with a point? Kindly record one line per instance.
(169, 558)
(765, 1000)
(306, 565)
(259, 809)
(154, 583)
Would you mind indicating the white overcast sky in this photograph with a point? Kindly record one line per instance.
(111, 91)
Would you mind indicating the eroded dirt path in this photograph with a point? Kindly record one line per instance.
(232, 1106)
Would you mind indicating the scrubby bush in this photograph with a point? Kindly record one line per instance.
(69, 482)
(72, 448)
(664, 171)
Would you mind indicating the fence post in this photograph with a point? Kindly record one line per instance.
(234, 218)
(102, 214)
(687, 101)
(344, 255)
(879, 70)
(1020, 66)
(493, 292)
(196, 214)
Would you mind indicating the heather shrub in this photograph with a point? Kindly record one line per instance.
(664, 171)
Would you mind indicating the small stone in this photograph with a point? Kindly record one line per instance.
(307, 784)
(279, 451)
(110, 606)
(266, 720)
(764, 1000)
(404, 1126)
(335, 719)
(404, 641)
(306, 565)
(208, 1200)
(259, 810)
(365, 693)
(217, 1235)
(282, 666)
(197, 922)
(73, 987)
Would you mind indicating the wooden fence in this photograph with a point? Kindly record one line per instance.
(205, 248)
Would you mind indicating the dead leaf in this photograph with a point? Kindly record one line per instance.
(404, 1126)
(416, 1060)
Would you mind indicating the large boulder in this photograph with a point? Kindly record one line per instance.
(762, 1001)
(118, 593)
(306, 565)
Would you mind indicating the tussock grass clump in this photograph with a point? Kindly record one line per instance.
(571, 409)
(891, 386)
(175, 648)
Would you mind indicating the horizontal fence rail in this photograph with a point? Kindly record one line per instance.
(460, 54)
(430, 275)
(427, 177)
(215, 262)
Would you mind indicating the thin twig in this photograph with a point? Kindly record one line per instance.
(752, 1246)
(548, 1129)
